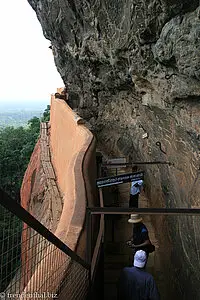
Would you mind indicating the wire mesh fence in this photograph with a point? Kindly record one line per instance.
(10, 249)
(33, 267)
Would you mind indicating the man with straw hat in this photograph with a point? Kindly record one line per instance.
(140, 239)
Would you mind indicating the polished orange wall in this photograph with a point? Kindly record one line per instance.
(72, 151)
(69, 142)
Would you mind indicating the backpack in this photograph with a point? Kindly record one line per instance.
(151, 248)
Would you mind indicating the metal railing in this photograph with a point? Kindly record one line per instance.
(135, 163)
(175, 278)
(34, 263)
(144, 211)
(95, 257)
(92, 256)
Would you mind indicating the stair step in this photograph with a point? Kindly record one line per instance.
(115, 248)
(116, 258)
(115, 266)
(111, 276)
(110, 291)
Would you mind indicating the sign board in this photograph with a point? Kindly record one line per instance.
(122, 178)
(119, 160)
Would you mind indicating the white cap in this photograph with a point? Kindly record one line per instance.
(140, 258)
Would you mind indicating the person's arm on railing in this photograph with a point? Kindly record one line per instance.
(132, 245)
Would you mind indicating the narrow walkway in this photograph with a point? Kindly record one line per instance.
(153, 266)
(118, 255)
(53, 200)
(117, 232)
(48, 206)
(159, 261)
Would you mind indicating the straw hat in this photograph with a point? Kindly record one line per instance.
(135, 219)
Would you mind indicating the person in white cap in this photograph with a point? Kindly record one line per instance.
(135, 283)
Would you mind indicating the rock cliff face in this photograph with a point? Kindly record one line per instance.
(133, 67)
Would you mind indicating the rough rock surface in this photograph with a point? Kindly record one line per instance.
(39, 191)
(41, 197)
(133, 67)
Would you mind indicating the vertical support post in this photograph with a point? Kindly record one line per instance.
(101, 197)
(102, 216)
(89, 236)
(117, 193)
(99, 174)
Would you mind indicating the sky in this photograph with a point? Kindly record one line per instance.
(27, 69)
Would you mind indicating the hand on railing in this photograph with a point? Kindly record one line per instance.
(130, 244)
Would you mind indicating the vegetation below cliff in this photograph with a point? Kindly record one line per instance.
(16, 146)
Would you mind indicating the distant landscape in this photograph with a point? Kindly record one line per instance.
(18, 114)
(17, 118)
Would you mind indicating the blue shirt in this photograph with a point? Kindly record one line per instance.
(136, 189)
(137, 284)
(140, 234)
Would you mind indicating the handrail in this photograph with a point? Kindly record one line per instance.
(99, 237)
(138, 163)
(144, 211)
(26, 217)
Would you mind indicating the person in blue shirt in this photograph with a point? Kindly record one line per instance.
(135, 283)
(140, 239)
